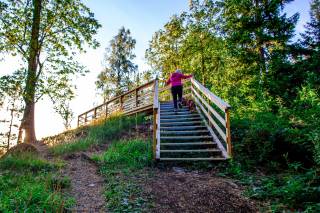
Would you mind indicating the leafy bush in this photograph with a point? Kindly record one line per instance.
(270, 139)
(298, 192)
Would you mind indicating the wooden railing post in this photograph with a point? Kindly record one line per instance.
(154, 144)
(85, 118)
(156, 120)
(228, 132)
(78, 120)
(136, 97)
(121, 102)
(106, 109)
(95, 113)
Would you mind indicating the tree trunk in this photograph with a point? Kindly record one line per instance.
(27, 123)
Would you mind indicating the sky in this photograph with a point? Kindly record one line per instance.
(143, 18)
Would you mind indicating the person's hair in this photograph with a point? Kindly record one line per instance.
(178, 71)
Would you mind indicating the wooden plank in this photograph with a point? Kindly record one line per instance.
(222, 134)
(136, 97)
(156, 95)
(131, 91)
(228, 133)
(215, 113)
(154, 144)
(139, 109)
(215, 99)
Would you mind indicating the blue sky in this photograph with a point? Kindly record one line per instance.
(143, 18)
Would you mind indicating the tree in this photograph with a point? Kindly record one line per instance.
(164, 52)
(311, 43)
(61, 100)
(119, 73)
(46, 34)
(312, 35)
(11, 108)
(257, 33)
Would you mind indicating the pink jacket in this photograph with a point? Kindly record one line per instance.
(175, 79)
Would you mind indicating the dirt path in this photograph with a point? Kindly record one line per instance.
(87, 185)
(177, 190)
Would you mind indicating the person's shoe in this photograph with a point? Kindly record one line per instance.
(175, 111)
(180, 105)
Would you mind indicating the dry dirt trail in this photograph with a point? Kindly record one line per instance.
(87, 185)
(177, 190)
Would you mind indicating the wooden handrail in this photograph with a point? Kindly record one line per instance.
(213, 119)
(132, 104)
(215, 99)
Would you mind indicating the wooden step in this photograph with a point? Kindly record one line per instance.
(187, 123)
(188, 144)
(179, 116)
(180, 128)
(190, 153)
(171, 109)
(185, 132)
(185, 138)
(186, 118)
(194, 159)
(189, 150)
(177, 113)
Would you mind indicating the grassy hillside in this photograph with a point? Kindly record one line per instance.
(29, 183)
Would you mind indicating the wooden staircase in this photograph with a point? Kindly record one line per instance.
(184, 136)
(203, 134)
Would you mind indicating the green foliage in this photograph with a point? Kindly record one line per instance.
(111, 129)
(296, 190)
(269, 139)
(122, 166)
(119, 73)
(290, 191)
(28, 184)
(46, 36)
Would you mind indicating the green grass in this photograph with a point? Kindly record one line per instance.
(111, 129)
(28, 162)
(29, 184)
(122, 165)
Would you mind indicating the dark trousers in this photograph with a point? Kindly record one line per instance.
(176, 95)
